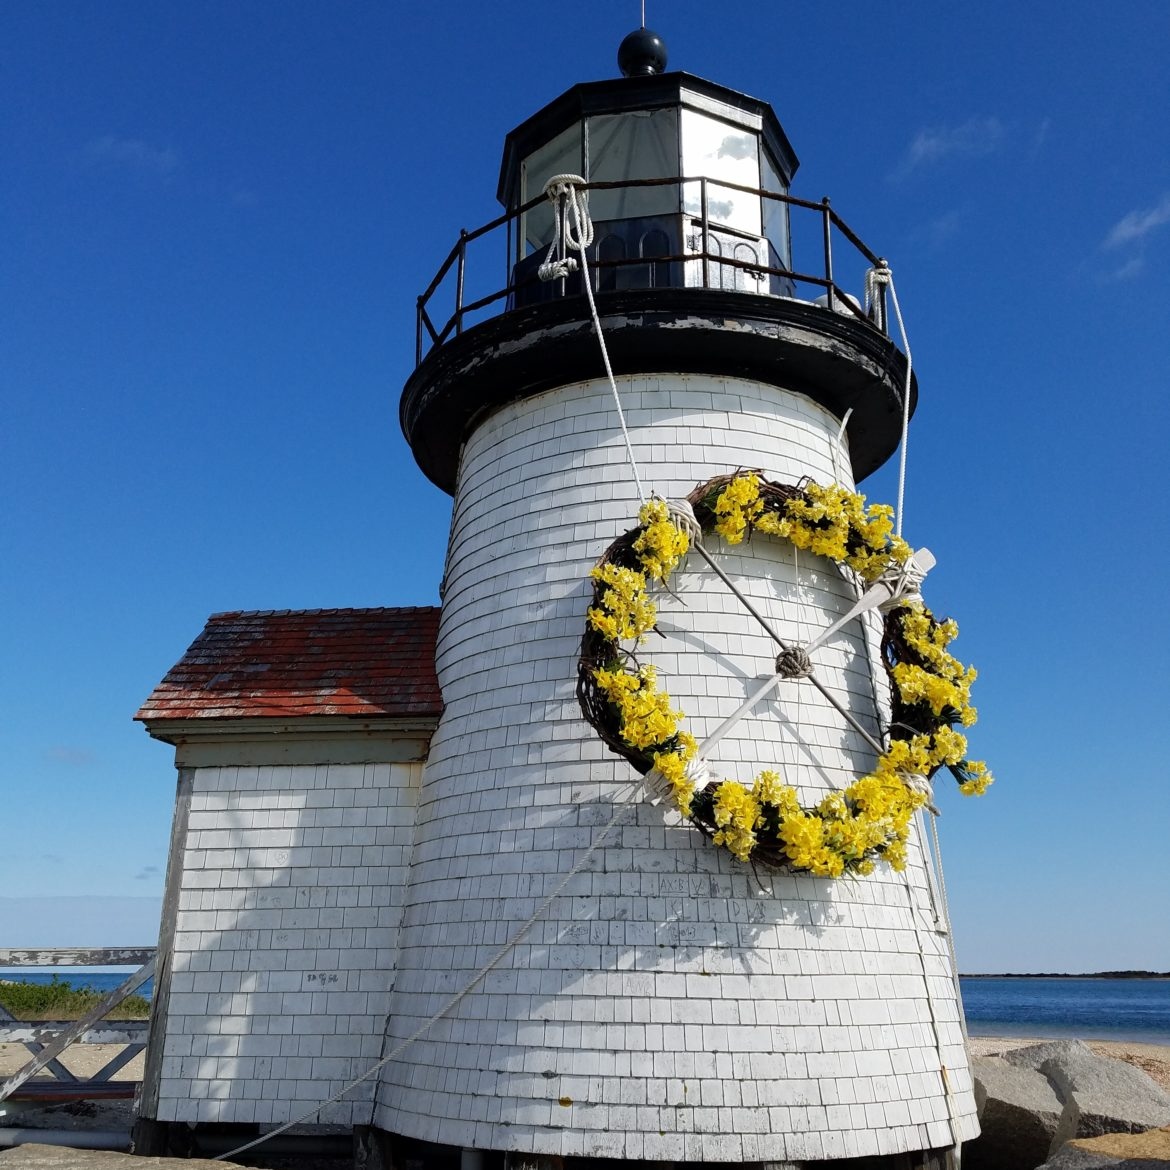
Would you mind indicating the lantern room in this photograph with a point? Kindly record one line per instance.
(676, 166)
(698, 259)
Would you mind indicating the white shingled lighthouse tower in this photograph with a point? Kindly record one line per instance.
(670, 1004)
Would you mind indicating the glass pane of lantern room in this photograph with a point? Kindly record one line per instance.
(719, 150)
(775, 216)
(560, 156)
(641, 144)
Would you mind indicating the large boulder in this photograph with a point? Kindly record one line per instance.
(1018, 1114)
(1117, 1151)
(1099, 1095)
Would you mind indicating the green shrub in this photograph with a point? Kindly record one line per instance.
(60, 1001)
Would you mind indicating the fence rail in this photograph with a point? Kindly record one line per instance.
(77, 957)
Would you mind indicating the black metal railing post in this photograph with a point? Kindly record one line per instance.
(827, 220)
(706, 237)
(459, 275)
(714, 268)
(881, 300)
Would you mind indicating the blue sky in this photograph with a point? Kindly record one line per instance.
(218, 217)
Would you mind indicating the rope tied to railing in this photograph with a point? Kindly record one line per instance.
(578, 234)
(572, 228)
(877, 277)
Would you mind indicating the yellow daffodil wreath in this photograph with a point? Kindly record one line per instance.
(849, 830)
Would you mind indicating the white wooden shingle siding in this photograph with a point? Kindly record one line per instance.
(290, 901)
(673, 1004)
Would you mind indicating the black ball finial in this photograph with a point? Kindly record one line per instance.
(642, 54)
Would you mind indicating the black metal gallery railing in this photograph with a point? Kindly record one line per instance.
(675, 249)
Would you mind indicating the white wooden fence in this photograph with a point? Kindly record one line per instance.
(47, 1040)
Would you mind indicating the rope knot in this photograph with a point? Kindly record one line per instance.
(555, 269)
(922, 786)
(682, 516)
(905, 581)
(794, 663)
(578, 234)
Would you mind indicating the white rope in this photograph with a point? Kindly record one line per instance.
(877, 276)
(623, 806)
(826, 694)
(682, 516)
(659, 789)
(933, 863)
(921, 786)
(838, 451)
(942, 1068)
(904, 581)
(946, 918)
(579, 235)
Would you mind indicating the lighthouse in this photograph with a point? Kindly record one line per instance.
(581, 971)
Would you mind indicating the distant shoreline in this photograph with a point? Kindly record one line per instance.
(1163, 975)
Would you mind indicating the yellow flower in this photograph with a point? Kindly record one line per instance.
(769, 789)
(737, 815)
(737, 507)
(646, 719)
(660, 545)
(979, 779)
(625, 611)
(847, 831)
(673, 766)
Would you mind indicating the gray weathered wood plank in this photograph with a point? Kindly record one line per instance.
(43, 1031)
(76, 957)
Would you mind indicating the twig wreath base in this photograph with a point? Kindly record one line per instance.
(850, 830)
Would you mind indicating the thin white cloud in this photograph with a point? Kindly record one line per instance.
(938, 231)
(975, 138)
(132, 154)
(1138, 224)
(75, 757)
(1131, 268)
(1041, 135)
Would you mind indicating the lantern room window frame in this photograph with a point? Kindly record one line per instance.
(600, 130)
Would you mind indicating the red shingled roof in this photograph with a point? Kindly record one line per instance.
(295, 662)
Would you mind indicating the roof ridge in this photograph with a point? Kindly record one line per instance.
(244, 613)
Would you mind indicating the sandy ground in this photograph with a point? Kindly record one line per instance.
(83, 1060)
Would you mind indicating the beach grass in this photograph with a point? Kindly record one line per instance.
(58, 1000)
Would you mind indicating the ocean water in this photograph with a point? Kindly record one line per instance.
(1086, 1009)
